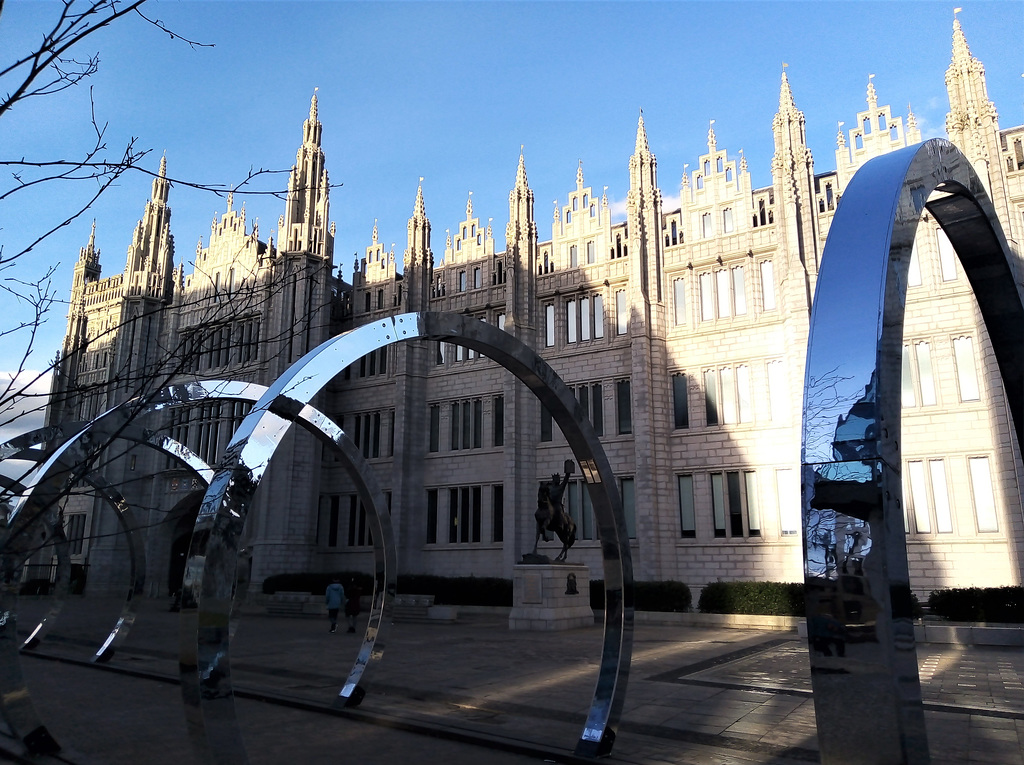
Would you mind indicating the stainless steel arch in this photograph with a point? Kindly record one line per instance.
(71, 459)
(222, 516)
(868, 697)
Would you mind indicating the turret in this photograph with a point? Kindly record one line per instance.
(150, 260)
(304, 226)
(520, 255)
(643, 218)
(419, 260)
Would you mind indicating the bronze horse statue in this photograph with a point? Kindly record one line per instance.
(551, 515)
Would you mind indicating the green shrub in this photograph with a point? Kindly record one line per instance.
(769, 598)
(979, 604)
(648, 596)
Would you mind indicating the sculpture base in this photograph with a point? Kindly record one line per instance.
(550, 596)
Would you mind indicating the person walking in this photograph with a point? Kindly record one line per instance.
(335, 599)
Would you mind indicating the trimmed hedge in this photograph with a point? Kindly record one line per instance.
(979, 604)
(769, 598)
(648, 596)
(447, 590)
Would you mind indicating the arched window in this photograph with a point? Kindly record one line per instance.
(707, 167)
(720, 165)
(700, 181)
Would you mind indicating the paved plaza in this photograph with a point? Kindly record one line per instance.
(474, 690)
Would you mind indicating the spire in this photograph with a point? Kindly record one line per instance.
(419, 210)
(961, 51)
(911, 119)
(840, 136)
(231, 200)
(160, 184)
(375, 231)
(712, 140)
(743, 162)
(163, 166)
(872, 96)
(312, 106)
(786, 102)
(92, 236)
(641, 137)
(469, 206)
(521, 170)
(579, 175)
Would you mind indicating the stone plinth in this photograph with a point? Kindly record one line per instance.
(540, 600)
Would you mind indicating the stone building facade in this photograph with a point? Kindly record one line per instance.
(682, 331)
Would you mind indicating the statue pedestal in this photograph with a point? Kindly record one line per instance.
(550, 597)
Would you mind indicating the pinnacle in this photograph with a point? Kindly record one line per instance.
(579, 175)
(641, 136)
(420, 210)
(313, 106)
(163, 166)
(961, 51)
(469, 206)
(872, 96)
(521, 170)
(786, 102)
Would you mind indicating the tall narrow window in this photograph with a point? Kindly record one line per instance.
(966, 372)
(947, 256)
(431, 516)
(752, 507)
(549, 321)
(743, 401)
(574, 258)
(679, 301)
(498, 417)
(707, 297)
(923, 352)
(629, 506)
(624, 407)
(591, 252)
(981, 489)
(728, 389)
(621, 313)
(919, 497)
(739, 291)
(597, 408)
(787, 490)
(584, 318)
(570, 321)
(778, 393)
(914, 272)
(718, 503)
(723, 288)
(768, 285)
(680, 405)
(727, 225)
(940, 497)
(456, 429)
(497, 513)
(907, 396)
(598, 316)
(711, 396)
(687, 517)
(707, 229)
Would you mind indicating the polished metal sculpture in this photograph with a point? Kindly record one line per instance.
(71, 452)
(209, 570)
(864, 672)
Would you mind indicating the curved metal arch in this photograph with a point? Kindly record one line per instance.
(854, 544)
(62, 466)
(223, 513)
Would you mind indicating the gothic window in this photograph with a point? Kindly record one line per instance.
(621, 313)
(706, 226)
(700, 181)
(591, 252)
(575, 203)
(570, 321)
(586, 200)
(431, 516)
(739, 291)
(981, 491)
(464, 506)
(545, 424)
(462, 281)
(734, 504)
(707, 167)
(767, 285)
(914, 272)
(719, 165)
(679, 301)
(477, 279)
(727, 224)
(926, 497)
(947, 256)
(675, 233)
(598, 311)
(580, 509)
(787, 492)
(574, 259)
(728, 175)
(917, 382)
(680, 402)
(687, 516)
(867, 125)
(881, 121)
(966, 370)
(380, 299)
(624, 404)
(627, 490)
(366, 301)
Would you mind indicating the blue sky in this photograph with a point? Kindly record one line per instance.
(449, 91)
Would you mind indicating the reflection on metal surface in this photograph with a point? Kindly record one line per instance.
(210, 567)
(15, 700)
(863, 661)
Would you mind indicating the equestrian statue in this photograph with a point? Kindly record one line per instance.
(551, 515)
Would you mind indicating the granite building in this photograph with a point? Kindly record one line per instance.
(682, 331)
